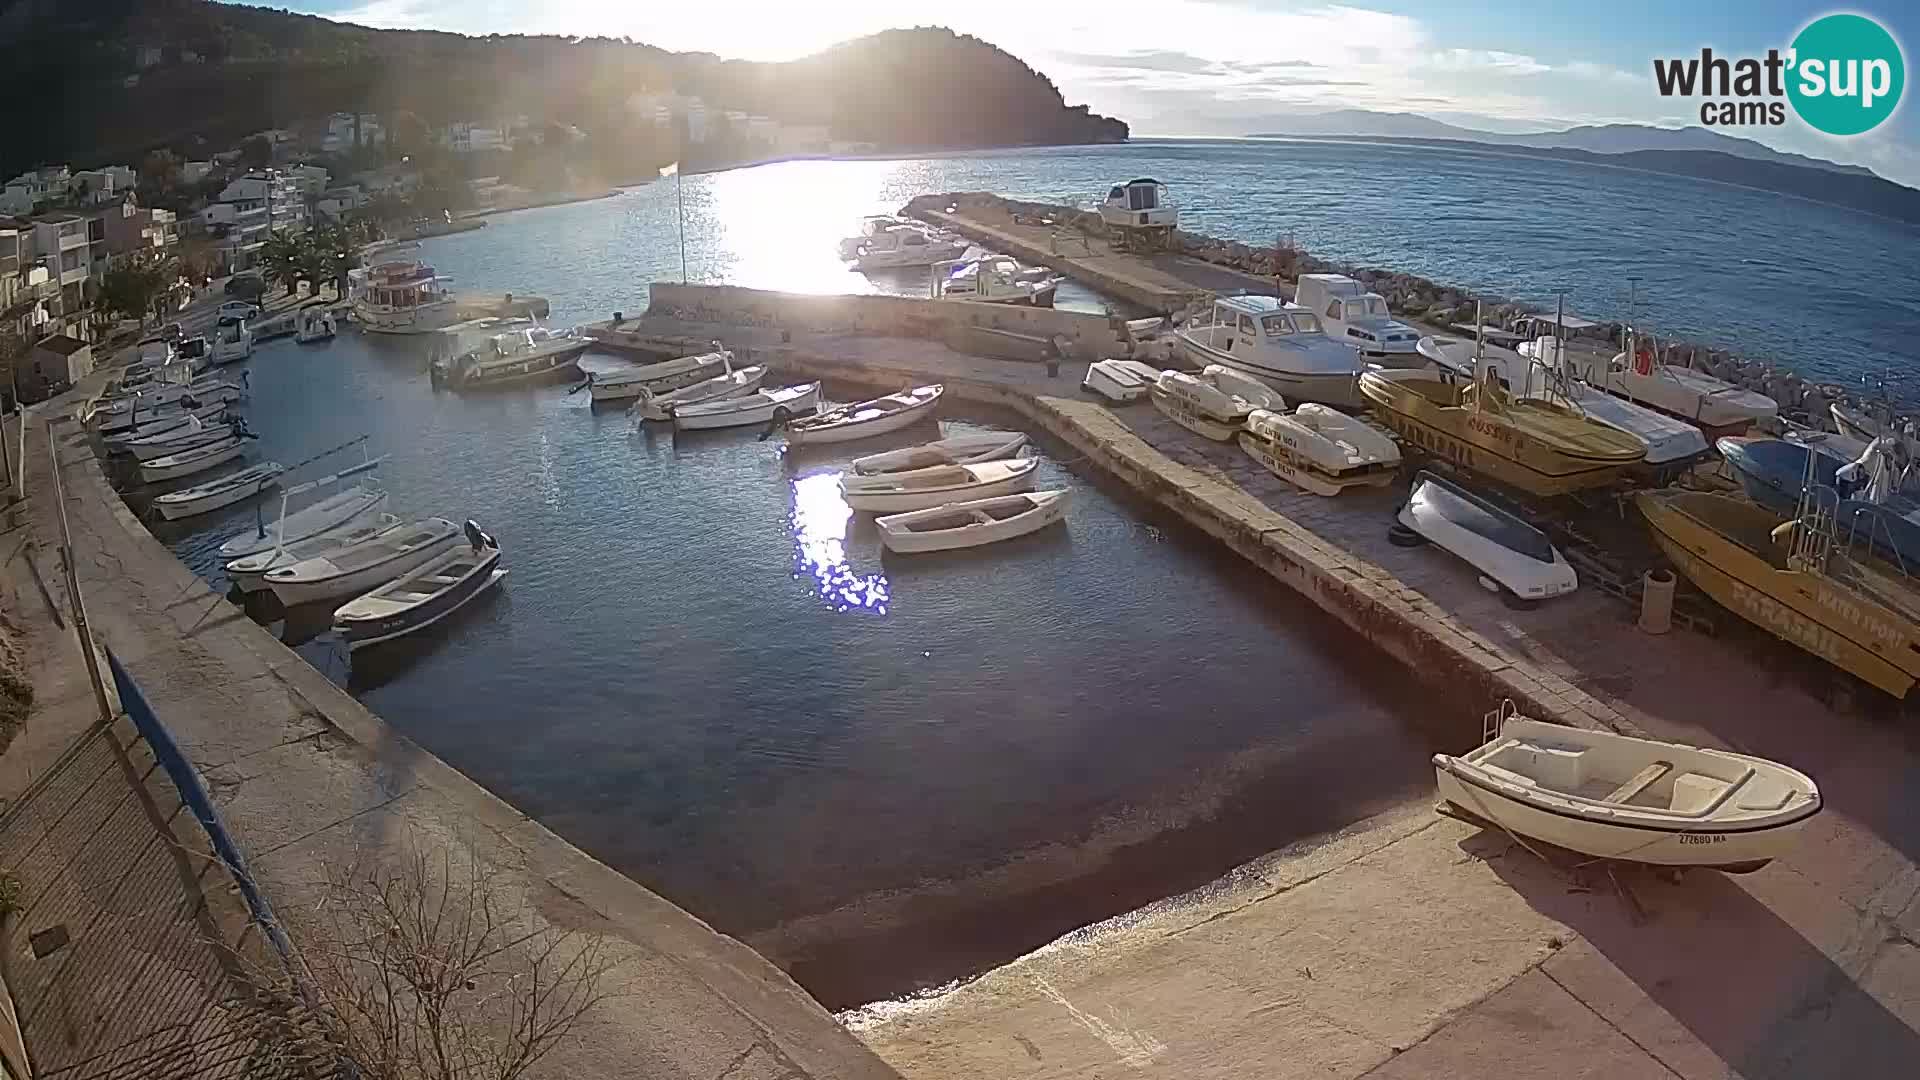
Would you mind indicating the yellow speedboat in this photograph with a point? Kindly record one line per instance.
(1860, 615)
(1540, 446)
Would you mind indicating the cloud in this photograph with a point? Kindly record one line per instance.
(1157, 60)
(1588, 70)
(1493, 60)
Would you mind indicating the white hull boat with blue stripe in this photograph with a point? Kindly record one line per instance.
(423, 596)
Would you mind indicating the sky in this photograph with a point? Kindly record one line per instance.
(1231, 67)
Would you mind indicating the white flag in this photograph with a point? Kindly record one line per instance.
(670, 169)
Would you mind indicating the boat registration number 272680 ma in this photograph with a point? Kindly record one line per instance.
(1702, 838)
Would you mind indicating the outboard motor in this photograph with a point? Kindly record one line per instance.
(479, 540)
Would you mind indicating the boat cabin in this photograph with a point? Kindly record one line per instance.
(1352, 314)
(1248, 324)
(1139, 203)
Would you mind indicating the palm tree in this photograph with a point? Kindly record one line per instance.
(282, 260)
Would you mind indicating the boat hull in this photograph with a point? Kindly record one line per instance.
(1116, 383)
(626, 388)
(360, 633)
(1048, 507)
(1183, 412)
(738, 384)
(191, 462)
(884, 424)
(362, 580)
(324, 516)
(1336, 388)
(542, 367)
(170, 444)
(959, 450)
(248, 573)
(1303, 472)
(759, 414)
(902, 501)
(175, 509)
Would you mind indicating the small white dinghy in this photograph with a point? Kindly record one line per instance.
(188, 437)
(955, 450)
(1120, 380)
(757, 409)
(198, 459)
(325, 515)
(1320, 449)
(893, 493)
(973, 523)
(866, 418)
(422, 596)
(117, 435)
(356, 569)
(660, 377)
(249, 572)
(1636, 800)
(732, 384)
(1214, 403)
(220, 492)
(1508, 552)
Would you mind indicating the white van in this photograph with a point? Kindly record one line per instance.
(1359, 318)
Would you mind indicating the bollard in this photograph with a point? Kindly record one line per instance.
(1656, 601)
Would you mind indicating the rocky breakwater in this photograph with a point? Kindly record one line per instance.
(1417, 299)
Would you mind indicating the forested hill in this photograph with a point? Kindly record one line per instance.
(218, 72)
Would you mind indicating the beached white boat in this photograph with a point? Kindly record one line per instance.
(221, 491)
(1320, 449)
(196, 460)
(1353, 315)
(731, 384)
(865, 418)
(1213, 403)
(1636, 800)
(1507, 551)
(758, 409)
(972, 523)
(361, 567)
(893, 493)
(249, 572)
(327, 514)
(997, 279)
(1279, 344)
(659, 378)
(953, 450)
(424, 595)
(1712, 403)
(1120, 380)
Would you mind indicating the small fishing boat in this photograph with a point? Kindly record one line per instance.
(1507, 551)
(758, 409)
(1320, 449)
(901, 245)
(219, 492)
(731, 384)
(1120, 380)
(1636, 800)
(314, 324)
(232, 341)
(953, 450)
(998, 279)
(893, 493)
(326, 515)
(972, 523)
(196, 460)
(170, 420)
(150, 401)
(1278, 343)
(1214, 403)
(865, 418)
(177, 439)
(658, 378)
(1796, 580)
(249, 572)
(518, 356)
(424, 595)
(360, 567)
(1544, 368)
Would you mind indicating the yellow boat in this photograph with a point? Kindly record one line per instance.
(1540, 446)
(1857, 614)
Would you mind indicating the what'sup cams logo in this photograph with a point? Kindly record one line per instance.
(1843, 75)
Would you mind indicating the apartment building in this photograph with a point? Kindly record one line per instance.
(247, 210)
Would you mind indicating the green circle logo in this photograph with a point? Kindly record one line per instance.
(1847, 74)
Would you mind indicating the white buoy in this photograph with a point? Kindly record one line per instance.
(1656, 601)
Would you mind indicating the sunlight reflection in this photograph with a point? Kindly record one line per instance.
(820, 520)
(779, 226)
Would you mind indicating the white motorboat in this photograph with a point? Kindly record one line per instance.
(219, 492)
(195, 460)
(869, 226)
(312, 324)
(1352, 315)
(361, 567)
(1513, 555)
(1120, 380)
(232, 341)
(1277, 343)
(659, 378)
(893, 493)
(973, 523)
(424, 595)
(906, 245)
(118, 433)
(1712, 403)
(249, 572)
(326, 515)
(997, 279)
(953, 450)
(1320, 449)
(193, 353)
(731, 384)
(1139, 204)
(152, 400)
(758, 409)
(180, 439)
(401, 295)
(1213, 403)
(522, 355)
(1635, 800)
(865, 418)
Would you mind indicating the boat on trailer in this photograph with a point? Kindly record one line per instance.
(1278, 343)
(863, 419)
(760, 408)
(953, 450)
(1120, 380)
(972, 523)
(1516, 557)
(1617, 797)
(1213, 404)
(219, 492)
(1320, 449)
(1706, 401)
(424, 595)
(893, 493)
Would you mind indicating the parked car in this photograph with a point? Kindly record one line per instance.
(241, 309)
(247, 286)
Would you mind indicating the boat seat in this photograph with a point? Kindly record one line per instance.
(1641, 781)
(1694, 792)
(1508, 775)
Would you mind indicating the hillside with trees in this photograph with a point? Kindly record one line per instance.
(132, 75)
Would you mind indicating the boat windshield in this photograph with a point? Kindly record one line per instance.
(1482, 519)
(1371, 305)
(1307, 324)
(1276, 325)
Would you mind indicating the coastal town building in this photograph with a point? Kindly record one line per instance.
(36, 188)
(132, 230)
(247, 210)
(54, 363)
(99, 187)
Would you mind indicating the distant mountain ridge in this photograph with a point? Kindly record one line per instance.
(1593, 138)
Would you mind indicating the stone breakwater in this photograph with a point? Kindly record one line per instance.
(1413, 297)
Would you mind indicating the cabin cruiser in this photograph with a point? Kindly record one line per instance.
(906, 245)
(1350, 314)
(870, 226)
(402, 295)
(232, 340)
(1140, 203)
(1713, 404)
(515, 356)
(1279, 344)
(998, 279)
